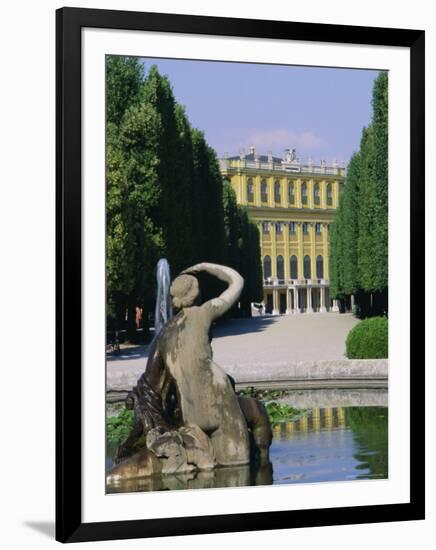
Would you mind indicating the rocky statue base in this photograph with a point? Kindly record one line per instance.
(188, 417)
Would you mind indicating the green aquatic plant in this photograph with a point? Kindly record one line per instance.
(277, 412)
(280, 412)
(119, 426)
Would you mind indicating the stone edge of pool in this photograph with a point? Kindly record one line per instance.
(345, 373)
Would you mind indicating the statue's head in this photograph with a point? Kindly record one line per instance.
(184, 291)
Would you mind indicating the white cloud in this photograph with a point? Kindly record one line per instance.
(280, 139)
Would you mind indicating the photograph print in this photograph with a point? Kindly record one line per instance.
(246, 274)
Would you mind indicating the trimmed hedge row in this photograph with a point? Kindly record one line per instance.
(368, 339)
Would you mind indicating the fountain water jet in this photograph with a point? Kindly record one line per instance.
(163, 311)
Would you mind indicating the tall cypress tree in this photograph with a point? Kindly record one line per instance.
(367, 202)
(359, 240)
(231, 224)
(124, 77)
(336, 253)
(175, 170)
(380, 176)
(134, 240)
(183, 240)
(350, 231)
(123, 84)
(208, 212)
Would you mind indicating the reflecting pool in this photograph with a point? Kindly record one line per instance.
(325, 444)
(332, 444)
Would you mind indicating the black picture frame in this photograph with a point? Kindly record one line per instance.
(69, 22)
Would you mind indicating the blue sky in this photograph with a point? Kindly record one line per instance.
(318, 111)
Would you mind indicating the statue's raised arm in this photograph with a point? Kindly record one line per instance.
(218, 306)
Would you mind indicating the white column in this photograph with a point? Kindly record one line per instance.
(352, 302)
(322, 308)
(275, 301)
(335, 307)
(296, 300)
(309, 300)
(288, 309)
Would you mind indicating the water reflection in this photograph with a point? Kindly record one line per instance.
(240, 476)
(327, 444)
(370, 430)
(332, 444)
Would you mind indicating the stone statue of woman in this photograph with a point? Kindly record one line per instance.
(185, 404)
(206, 397)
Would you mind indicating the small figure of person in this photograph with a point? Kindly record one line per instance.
(138, 317)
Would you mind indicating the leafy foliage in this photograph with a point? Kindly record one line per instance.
(380, 174)
(350, 222)
(368, 339)
(280, 412)
(133, 237)
(207, 202)
(277, 412)
(175, 170)
(367, 198)
(119, 426)
(124, 76)
(359, 233)
(231, 224)
(336, 252)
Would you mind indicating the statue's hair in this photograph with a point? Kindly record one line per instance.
(184, 290)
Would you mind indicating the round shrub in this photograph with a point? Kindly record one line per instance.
(368, 339)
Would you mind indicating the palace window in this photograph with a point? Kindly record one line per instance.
(263, 191)
(267, 267)
(329, 194)
(279, 228)
(292, 228)
(304, 193)
(280, 268)
(265, 227)
(319, 267)
(294, 267)
(318, 228)
(305, 227)
(250, 191)
(306, 267)
(291, 191)
(316, 194)
(277, 196)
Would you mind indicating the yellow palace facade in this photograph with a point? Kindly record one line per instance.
(293, 205)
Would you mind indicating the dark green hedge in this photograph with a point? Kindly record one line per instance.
(368, 339)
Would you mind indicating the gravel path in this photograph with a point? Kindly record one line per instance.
(260, 341)
(284, 338)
